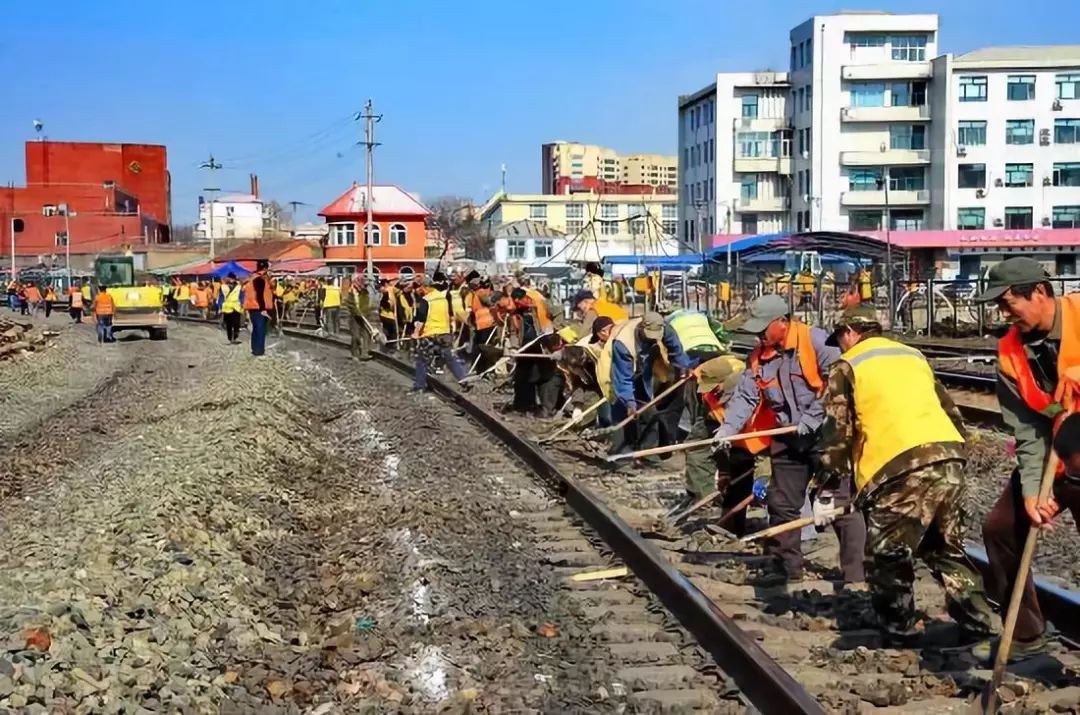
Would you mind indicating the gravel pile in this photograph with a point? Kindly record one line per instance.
(214, 534)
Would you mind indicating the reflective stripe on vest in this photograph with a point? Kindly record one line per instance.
(896, 405)
(438, 314)
(331, 297)
(231, 301)
(694, 331)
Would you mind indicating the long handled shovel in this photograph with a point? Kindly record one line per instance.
(502, 360)
(574, 420)
(789, 526)
(701, 443)
(678, 517)
(618, 426)
(989, 699)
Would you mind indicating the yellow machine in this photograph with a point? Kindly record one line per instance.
(137, 307)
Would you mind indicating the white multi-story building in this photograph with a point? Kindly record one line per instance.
(233, 216)
(1010, 150)
(866, 124)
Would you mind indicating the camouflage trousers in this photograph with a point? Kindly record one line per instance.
(921, 514)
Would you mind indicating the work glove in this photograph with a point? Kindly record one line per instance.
(760, 489)
(805, 429)
(720, 438)
(825, 509)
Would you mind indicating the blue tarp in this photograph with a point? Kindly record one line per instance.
(224, 269)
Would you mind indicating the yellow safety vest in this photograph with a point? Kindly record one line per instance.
(438, 314)
(231, 301)
(332, 297)
(389, 312)
(461, 313)
(624, 333)
(896, 405)
(184, 293)
(693, 330)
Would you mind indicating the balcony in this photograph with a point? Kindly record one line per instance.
(888, 70)
(760, 164)
(885, 114)
(889, 157)
(760, 124)
(765, 204)
(877, 198)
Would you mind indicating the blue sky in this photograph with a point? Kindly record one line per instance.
(464, 86)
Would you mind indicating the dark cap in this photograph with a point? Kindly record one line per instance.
(652, 325)
(598, 325)
(232, 275)
(472, 276)
(583, 295)
(858, 316)
(764, 310)
(438, 277)
(262, 264)
(1011, 272)
(518, 294)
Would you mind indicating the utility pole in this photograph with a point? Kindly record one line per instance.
(884, 181)
(212, 166)
(294, 204)
(67, 239)
(369, 141)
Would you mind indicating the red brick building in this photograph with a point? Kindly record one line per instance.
(119, 195)
(399, 233)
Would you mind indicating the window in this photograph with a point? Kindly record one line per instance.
(971, 219)
(798, 95)
(864, 179)
(343, 234)
(909, 136)
(230, 234)
(1020, 131)
(749, 224)
(637, 227)
(49, 210)
(865, 39)
(574, 226)
(867, 94)
(61, 238)
(609, 212)
(609, 229)
(973, 88)
(230, 210)
(864, 220)
(792, 67)
(748, 190)
(1066, 217)
(515, 250)
(971, 176)
(906, 219)
(802, 54)
(909, 48)
(686, 156)
(375, 238)
(543, 248)
(907, 94)
(635, 210)
(750, 106)
(669, 212)
(1019, 174)
(907, 178)
(1021, 87)
(971, 133)
(1018, 217)
(397, 234)
(575, 210)
(1067, 131)
(538, 212)
(1068, 86)
(1065, 264)
(753, 144)
(1067, 174)
(801, 185)
(809, 97)
(669, 227)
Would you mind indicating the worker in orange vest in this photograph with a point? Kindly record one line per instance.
(50, 298)
(104, 308)
(75, 296)
(258, 302)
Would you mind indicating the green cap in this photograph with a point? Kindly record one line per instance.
(653, 326)
(1011, 272)
(764, 310)
(854, 316)
(717, 372)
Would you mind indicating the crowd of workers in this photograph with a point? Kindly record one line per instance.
(82, 298)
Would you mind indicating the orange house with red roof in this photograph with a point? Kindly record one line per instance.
(398, 232)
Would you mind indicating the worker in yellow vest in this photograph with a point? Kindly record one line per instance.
(695, 335)
(433, 325)
(330, 303)
(589, 307)
(183, 298)
(87, 294)
(888, 417)
(232, 310)
(388, 312)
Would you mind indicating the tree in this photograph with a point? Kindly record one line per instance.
(462, 233)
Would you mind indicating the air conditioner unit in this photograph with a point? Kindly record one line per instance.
(998, 222)
(961, 151)
(998, 182)
(980, 193)
(1046, 221)
(1047, 181)
(1056, 106)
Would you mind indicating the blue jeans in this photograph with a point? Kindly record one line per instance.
(104, 329)
(427, 355)
(258, 332)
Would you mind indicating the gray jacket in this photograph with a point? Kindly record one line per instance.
(792, 399)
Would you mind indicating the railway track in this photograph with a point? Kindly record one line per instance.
(808, 648)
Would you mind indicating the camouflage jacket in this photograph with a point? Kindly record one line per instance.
(835, 448)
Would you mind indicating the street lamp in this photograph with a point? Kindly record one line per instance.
(67, 213)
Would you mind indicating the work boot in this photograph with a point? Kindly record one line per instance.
(986, 651)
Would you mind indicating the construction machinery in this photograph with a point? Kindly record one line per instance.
(138, 307)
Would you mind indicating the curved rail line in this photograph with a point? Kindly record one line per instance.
(764, 683)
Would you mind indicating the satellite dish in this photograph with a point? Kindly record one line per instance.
(38, 125)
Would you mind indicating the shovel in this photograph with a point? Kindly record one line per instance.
(574, 420)
(697, 444)
(616, 427)
(704, 501)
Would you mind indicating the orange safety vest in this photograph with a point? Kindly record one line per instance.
(760, 420)
(1013, 363)
(202, 298)
(103, 304)
(251, 301)
(76, 298)
(540, 304)
(481, 313)
(799, 340)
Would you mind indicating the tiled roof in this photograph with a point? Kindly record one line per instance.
(389, 199)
